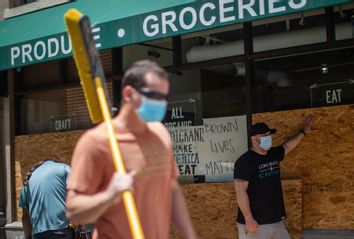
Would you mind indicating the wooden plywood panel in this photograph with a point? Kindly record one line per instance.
(292, 191)
(213, 209)
(323, 160)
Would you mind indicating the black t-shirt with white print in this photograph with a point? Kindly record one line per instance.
(264, 186)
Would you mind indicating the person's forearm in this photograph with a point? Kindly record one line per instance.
(26, 223)
(27, 229)
(85, 209)
(243, 203)
(291, 143)
(180, 214)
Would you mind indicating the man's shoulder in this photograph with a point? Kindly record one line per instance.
(246, 155)
(277, 148)
(245, 158)
(93, 135)
(277, 151)
(91, 141)
(156, 126)
(159, 129)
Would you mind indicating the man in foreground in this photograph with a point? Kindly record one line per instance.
(95, 189)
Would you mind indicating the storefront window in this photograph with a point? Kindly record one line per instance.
(17, 3)
(158, 51)
(344, 21)
(289, 31)
(40, 111)
(303, 81)
(207, 122)
(51, 99)
(213, 44)
(56, 110)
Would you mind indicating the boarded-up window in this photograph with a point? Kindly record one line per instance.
(56, 110)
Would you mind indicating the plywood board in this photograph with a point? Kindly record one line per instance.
(213, 209)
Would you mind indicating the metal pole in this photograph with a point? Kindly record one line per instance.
(249, 65)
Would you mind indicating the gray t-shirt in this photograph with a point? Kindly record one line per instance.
(45, 197)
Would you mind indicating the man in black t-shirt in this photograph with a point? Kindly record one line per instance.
(257, 183)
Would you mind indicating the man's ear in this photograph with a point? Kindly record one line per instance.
(254, 138)
(127, 93)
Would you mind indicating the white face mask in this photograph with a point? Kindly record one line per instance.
(266, 142)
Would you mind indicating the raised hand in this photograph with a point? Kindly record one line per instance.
(307, 124)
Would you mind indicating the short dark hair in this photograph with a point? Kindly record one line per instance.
(135, 75)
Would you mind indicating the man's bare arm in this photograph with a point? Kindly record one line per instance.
(244, 204)
(291, 143)
(180, 214)
(27, 225)
(84, 209)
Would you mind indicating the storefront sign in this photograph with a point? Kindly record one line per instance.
(181, 113)
(62, 123)
(210, 150)
(185, 18)
(332, 94)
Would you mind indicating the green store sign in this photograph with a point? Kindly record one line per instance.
(183, 19)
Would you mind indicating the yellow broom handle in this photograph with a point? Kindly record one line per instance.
(128, 199)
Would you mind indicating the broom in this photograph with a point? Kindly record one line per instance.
(94, 85)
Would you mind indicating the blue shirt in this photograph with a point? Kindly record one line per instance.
(45, 197)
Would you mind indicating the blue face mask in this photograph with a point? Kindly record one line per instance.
(266, 142)
(152, 110)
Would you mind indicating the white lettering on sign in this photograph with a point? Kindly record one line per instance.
(179, 124)
(334, 96)
(177, 113)
(273, 8)
(299, 5)
(26, 52)
(63, 124)
(261, 7)
(165, 22)
(221, 11)
(182, 18)
(15, 53)
(154, 27)
(40, 49)
(203, 20)
(168, 19)
(96, 36)
(49, 48)
(62, 43)
(242, 7)
(53, 47)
